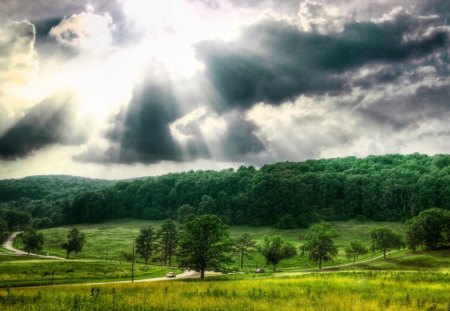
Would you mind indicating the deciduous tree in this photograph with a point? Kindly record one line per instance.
(431, 228)
(320, 243)
(75, 242)
(205, 244)
(32, 240)
(385, 239)
(244, 245)
(275, 249)
(355, 249)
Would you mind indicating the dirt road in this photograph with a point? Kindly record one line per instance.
(8, 244)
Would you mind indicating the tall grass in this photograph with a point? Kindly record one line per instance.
(328, 291)
(38, 272)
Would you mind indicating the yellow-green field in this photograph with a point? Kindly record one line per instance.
(107, 240)
(46, 271)
(386, 291)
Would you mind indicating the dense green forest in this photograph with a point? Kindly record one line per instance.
(44, 197)
(285, 195)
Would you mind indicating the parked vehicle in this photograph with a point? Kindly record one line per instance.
(171, 274)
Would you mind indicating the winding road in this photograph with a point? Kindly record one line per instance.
(8, 245)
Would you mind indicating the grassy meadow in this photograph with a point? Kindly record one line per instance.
(375, 290)
(21, 272)
(438, 260)
(404, 281)
(107, 240)
(100, 259)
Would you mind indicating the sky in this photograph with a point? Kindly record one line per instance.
(127, 88)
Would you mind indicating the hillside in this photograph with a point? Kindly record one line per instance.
(49, 187)
(45, 196)
(284, 195)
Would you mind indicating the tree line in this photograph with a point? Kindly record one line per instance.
(43, 197)
(284, 195)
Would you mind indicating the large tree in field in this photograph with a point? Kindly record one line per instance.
(75, 242)
(320, 243)
(275, 249)
(354, 249)
(414, 233)
(385, 239)
(205, 244)
(168, 240)
(32, 240)
(431, 228)
(145, 243)
(244, 245)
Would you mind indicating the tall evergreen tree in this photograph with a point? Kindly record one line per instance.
(145, 243)
(168, 241)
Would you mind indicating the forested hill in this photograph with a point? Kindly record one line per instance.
(390, 187)
(49, 187)
(45, 196)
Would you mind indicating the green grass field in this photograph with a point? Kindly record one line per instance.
(107, 240)
(101, 260)
(46, 271)
(375, 290)
(407, 260)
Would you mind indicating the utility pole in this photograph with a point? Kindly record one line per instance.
(132, 265)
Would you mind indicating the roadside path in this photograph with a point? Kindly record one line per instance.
(188, 274)
(8, 245)
(330, 268)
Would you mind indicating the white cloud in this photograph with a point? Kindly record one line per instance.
(18, 70)
(87, 31)
(316, 17)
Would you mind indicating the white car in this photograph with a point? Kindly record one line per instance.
(171, 275)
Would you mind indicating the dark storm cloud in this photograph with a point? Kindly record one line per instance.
(439, 7)
(47, 123)
(402, 111)
(240, 139)
(141, 133)
(274, 61)
(146, 134)
(385, 75)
